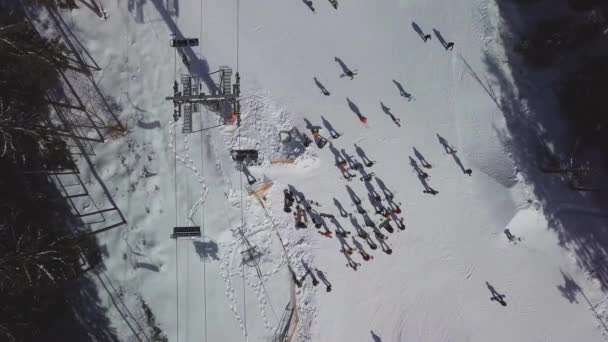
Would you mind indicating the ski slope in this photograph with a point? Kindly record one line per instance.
(433, 286)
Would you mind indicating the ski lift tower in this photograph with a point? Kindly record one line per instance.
(225, 101)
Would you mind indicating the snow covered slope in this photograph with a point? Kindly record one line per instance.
(435, 285)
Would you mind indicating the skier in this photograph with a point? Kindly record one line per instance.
(426, 37)
(468, 172)
(449, 46)
(326, 233)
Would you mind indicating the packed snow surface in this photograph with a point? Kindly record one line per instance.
(434, 286)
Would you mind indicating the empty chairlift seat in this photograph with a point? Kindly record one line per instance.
(181, 232)
(184, 42)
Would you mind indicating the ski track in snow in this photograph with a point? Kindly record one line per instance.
(187, 161)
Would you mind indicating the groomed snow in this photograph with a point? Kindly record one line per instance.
(433, 285)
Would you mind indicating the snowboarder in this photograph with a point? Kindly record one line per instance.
(342, 233)
(309, 4)
(367, 177)
(321, 142)
(400, 223)
(348, 177)
(350, 74)
(496, 296)
(307, 141)
(324, 90)
(431, 191)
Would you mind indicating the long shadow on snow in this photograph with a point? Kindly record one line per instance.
(198, 67)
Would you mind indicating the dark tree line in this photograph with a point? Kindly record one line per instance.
(38, 253)
(575, 44)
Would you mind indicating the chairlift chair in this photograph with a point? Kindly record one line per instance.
(180, 232)
(248, 156)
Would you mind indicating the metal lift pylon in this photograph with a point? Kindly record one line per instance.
(225, 102)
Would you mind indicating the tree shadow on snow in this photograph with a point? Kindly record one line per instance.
(535, 137)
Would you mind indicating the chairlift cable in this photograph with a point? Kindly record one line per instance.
(176, 295)
(241, 229)
(203, 178)
(238, 3)
(176, 254)
(238, 13)
(175, 198)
